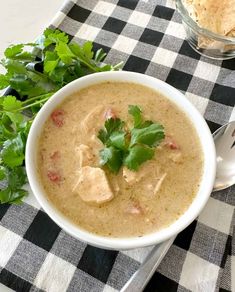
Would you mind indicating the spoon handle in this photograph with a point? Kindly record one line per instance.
(141, 277)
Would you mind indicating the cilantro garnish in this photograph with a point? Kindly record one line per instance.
(129, 147)
(36, 71)
(135, 111)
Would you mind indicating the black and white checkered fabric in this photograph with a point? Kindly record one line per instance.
(36, 255)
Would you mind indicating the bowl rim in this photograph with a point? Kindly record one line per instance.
(193, 24)
(130, 242)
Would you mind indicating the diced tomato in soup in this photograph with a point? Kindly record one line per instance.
(57, 117)
(110, 114)
(54, 176)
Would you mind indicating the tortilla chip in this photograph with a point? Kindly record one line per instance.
(231, 33)
(217, 16)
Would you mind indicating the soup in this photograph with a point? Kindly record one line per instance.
(126, 203)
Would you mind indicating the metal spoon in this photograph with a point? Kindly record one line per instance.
(224, 139)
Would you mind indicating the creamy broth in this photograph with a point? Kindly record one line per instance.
(142, 202)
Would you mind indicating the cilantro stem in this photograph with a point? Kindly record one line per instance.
(93, 68)
(117, 66)
(34, 103)
(37, 97)
(28, 105)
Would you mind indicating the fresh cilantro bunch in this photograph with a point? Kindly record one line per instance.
(35, 71)
(129, 147)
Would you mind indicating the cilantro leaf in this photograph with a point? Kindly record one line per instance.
(84, 52)
(118, 139)
(12, 153)
(135, 111)
(145, 124)
(87, 50)
(25, 57)
(14, 67)
(64, 52)
(10, 103)
(51, 61)
(13, 50)
(54, 36)
(10, 196)
(2, 172)
(152, 135)
(16, 118)
(137, 155)
(111, 125)
(4, 81)
(17, 178)
(112, 157)
(14, 193)
(6, 129)
(102, 135)
(5, 195)
(17, 52)
(130, 147)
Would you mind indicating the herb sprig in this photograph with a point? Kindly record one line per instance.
(35, 71)
(129, 147)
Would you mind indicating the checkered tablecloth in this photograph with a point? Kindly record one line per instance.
(36, 255)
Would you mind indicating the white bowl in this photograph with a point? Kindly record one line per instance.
(174, 95)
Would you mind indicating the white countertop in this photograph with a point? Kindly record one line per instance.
(24, 20)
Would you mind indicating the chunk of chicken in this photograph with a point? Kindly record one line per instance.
(176, 157)
(94, 120)
(85, 155)
(93, 186)
(159, 183)
(132, 177)
(134, 208)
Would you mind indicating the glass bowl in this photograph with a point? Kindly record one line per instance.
(203, 41)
